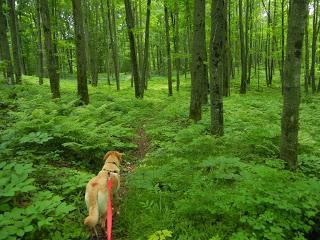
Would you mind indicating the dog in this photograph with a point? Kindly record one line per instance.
(96, 196)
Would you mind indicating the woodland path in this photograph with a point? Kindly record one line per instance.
(143, 146)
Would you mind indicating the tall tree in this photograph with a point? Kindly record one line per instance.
(218, 52)
(81, 51)
(15, 41)
(146, 48)
(51, 60)
(298, 13)
(114, 48)
(176, 42)
(198, 68)
(133, 50)
(166, 20)
(106, 32)
(306, 59)
(282, 42)
(243, 86)
(315, 32)
(40, 48)
(4, 45)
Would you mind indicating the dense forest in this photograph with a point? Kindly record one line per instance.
(214, 105)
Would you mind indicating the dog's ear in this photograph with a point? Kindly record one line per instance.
(119, 155)
(107, 155)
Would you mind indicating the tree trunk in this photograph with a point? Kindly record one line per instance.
(146, 49)
(243, 87)
(306, 59)
(4, 46)
(105, 28)
(15, 41)
(188, 21)
(93, 41)
(217, 54)
(166, 17)
(314, 45)
(198, 60)
(282, 43)
(51, 60)
(40, 48)
(114, 48)
(176, 41)
(290, 115)
(133, 51)
(81, 51)
(228, 58)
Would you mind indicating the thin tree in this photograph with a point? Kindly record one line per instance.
(51, 60)
(306, 58)
(146, 49)
(282, 42)
(218, 52)
(243, 86)
(167, 27)
(177, 42)
(114, 48)
(315, 32)
(298, 13)
(81, 51)
(4, 45)
(40, 48)
(15, 41)
(133, 50)
(198, 68)
(106, 32)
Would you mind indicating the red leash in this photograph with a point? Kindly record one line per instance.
(109, 211)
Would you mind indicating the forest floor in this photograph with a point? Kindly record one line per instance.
(178, 180)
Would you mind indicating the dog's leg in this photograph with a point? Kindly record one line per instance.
(103, 222)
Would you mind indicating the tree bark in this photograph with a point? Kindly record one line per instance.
(217, 54)
(133, 50)
(81, 52)
(306, 59)
(105, 28)
(198, 60)
(166, 17)
(282, 43)
(114, 47)
(51, 60)
(314, 45)
(15, 41)
(290, 115)
(176, 41)
(40, 47)
(243, 87)
(4, 45)
(146, 48)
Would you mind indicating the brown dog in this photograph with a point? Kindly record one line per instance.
(97, 189)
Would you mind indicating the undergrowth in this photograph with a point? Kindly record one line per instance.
(190, 185)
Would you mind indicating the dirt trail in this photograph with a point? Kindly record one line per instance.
(128, 168)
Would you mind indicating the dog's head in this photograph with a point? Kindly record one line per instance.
(113, 155)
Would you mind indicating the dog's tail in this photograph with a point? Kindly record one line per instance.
(92, 204)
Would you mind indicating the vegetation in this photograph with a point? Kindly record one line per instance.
(80, 78)
(189, 183)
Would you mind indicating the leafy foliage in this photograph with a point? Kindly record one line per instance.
(190, 184)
